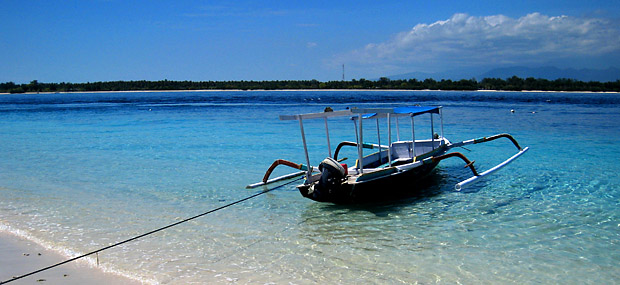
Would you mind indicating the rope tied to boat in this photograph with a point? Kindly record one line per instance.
(149, 233)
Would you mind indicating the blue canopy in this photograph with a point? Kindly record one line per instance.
(416, 110)
(412, 111)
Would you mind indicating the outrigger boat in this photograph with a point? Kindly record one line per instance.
(395, 168)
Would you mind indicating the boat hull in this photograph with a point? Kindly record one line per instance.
(398, 184)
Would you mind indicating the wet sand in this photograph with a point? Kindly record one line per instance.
(19, 256)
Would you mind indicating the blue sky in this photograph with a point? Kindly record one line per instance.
(104, 40)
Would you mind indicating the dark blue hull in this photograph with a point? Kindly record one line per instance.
(402, 184)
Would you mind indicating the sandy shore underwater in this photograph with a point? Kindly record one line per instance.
(19, 256)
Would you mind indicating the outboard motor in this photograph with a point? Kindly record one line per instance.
(332, 175)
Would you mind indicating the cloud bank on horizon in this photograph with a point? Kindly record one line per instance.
(465, 41)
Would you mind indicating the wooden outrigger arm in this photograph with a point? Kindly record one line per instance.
(472, 179)
(486, 139)
(281, 162)
(273, 166)
(469, 163)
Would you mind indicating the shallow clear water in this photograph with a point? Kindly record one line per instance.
(82, 171)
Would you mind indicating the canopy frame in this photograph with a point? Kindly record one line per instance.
(358, 115)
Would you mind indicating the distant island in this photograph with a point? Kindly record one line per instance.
(546, 72)
(509, 84)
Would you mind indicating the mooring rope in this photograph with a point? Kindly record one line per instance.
(151, 232)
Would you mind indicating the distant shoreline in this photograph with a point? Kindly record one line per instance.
(383, 84)
(306, 90)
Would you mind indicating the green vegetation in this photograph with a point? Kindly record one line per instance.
(511, 84)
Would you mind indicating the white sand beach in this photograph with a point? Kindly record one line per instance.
(19, 256)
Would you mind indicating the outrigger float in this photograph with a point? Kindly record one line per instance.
(394, 169)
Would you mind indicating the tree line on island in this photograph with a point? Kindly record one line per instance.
(510, 84)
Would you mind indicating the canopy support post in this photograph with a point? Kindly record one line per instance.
(329, 146)
(397, 130)
(379, 141)
(412, 138)
(360, 152)
(432, 132)
(441, 119)
(303, 138)
(389, 139)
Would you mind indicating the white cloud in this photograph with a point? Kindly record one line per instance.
(465, 40)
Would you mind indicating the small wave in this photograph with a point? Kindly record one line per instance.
(69, 253)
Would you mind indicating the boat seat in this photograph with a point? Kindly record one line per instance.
(401, 149)
(401, 161)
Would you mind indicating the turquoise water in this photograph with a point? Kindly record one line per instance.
(82, 171)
